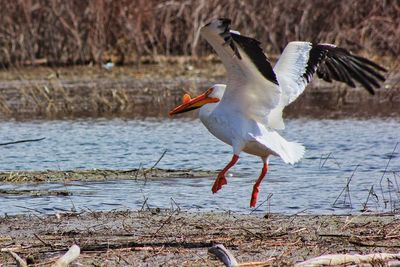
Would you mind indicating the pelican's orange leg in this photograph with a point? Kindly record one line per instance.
(221, 180)
(254, 194)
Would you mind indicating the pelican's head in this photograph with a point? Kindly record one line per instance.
(212, 95)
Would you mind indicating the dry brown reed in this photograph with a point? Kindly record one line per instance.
(71, 32)
(53, 100)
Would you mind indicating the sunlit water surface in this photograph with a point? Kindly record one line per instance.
(311, 186)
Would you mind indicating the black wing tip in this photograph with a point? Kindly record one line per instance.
(344, 66)
(225, 21)
(251, 47)
(224, 26)
(316, 55)
(371, 63)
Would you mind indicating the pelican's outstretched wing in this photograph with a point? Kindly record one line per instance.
(252, 87)
(300, 60)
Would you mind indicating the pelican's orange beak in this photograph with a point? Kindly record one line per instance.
(189, 103)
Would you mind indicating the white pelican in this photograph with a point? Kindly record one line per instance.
(247, 111)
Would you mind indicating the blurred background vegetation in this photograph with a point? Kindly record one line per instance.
(58, 32)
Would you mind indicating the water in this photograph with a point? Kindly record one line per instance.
(312, 185)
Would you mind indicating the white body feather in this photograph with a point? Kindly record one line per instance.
(244, 134)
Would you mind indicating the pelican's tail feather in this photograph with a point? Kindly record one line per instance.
(294, 152)
(290, 152)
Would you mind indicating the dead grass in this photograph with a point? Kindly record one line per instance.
(70, 32)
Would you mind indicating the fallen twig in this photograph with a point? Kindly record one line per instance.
(256, 263)
(20, 262)
(342, 259)
(134, 245)
(44, 242)
(168, 220)
(372, 244)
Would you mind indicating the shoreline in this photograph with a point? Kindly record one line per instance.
(175, 238)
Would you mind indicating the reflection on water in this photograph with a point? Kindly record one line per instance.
(313, 184)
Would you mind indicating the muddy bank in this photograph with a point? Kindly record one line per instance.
(97, 175)
(176, 238)
(92, 92)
